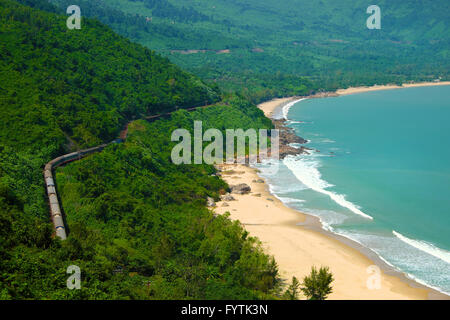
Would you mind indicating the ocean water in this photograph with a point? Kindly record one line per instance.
(380, 174)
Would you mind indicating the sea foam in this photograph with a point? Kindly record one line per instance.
(288, 200)
(306, 170)
(426, 247)
(286, 108)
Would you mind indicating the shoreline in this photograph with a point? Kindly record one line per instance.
(289, 234)
(354, 90)
(269, 107)
(298, 241)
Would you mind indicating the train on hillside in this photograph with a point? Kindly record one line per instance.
(55, 208)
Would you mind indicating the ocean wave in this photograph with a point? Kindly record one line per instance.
(359, 238)
(415, 263)
(285, 188)
(442, 254)
(326, 141)
(328, 218)
(422, 282)
(307, 172)
(405, 258)
(294, 122)
(286, 108)
(288, 200)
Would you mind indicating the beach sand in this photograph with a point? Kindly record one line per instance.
(269, 107)
(297, 248)
(298, 242)
(354, 90)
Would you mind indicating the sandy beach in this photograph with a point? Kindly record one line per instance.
(269, 107)
(354, 90)
(297, 248)
(298, 242)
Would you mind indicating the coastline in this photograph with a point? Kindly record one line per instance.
(269, 107)
(354, 90)
(298, 241)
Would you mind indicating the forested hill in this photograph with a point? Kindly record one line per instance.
(79, 84)
(138, 224)
(266, 47)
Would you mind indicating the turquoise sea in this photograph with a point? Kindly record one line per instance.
(380, 175)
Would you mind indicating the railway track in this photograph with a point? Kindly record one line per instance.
(56, 213)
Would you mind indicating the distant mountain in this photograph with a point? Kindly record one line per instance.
(258, 45)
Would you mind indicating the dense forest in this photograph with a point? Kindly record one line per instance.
(138, 225)
(61, 90)
(249, 45)
(83, 85)
(151, 218)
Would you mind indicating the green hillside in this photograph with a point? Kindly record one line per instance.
(150, 217)
(273, 45)
(83, 84)
(64, 89)
(138, 225)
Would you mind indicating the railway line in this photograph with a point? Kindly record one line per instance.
(56, 212)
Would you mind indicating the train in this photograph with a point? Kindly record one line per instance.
(56, 213)
(55, 209)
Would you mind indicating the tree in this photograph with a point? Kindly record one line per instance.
(317, 286)
(292, 292)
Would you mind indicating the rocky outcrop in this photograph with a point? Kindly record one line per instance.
(241, 189)
(323, 94)
(227, 197)
(288, 137)
(258, 181)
